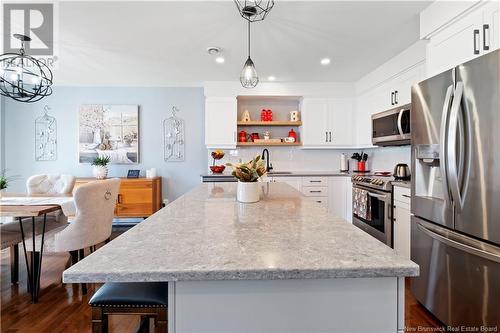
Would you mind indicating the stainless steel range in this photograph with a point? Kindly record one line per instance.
(377, 219)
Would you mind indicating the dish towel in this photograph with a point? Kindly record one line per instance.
(361, 204)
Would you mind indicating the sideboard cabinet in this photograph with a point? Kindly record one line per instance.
(138, 197)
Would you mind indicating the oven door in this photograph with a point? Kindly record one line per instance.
(380, 224)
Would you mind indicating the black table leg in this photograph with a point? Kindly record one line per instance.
(34, 265)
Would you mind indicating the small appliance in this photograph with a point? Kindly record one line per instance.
(392, 127)
(402, 172)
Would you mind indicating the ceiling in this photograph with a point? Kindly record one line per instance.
(164, 43)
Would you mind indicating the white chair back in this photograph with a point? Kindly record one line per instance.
(95, 204)
(50, 184)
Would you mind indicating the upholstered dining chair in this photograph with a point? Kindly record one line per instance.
(95, 205)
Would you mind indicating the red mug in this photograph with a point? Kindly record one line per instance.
(361, 166)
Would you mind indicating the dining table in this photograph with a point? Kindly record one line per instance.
(36, 208)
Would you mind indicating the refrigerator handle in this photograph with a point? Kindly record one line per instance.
(460, 242)
(443, 147)
(458, 175)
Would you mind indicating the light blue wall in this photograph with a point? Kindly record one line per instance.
(155, 105)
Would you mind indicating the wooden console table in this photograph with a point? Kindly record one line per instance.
(138, 197)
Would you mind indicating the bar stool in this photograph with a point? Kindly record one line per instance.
(147, 299)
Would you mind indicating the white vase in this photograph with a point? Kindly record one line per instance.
(248, 192)
(100, 172)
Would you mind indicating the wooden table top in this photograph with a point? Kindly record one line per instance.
(27, 210)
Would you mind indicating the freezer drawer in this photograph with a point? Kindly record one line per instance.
(459, 278)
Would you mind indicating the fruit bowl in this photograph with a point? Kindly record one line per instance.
(217, 155)
(217, 168)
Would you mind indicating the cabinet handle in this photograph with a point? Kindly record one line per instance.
(396, 97)
(392, 97)
(406, 196)
(330, 136)
(119, 199)
(486, 27)
(315, 181)
(326, 136)
(476, 36)
(314, 191)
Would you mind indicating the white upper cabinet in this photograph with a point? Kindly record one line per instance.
(474, 34)
(327, 122)
(392, 93)
(491, 26)
(220, 122)
(315, 122)
(340, 122)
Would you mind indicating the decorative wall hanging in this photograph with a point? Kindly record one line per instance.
(22, 77)
(109, 131)
(173, 133)
(45, 137)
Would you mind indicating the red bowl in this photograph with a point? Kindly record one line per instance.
(217, 168)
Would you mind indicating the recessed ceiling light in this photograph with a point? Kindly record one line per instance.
(220, 60)
(271, 78)
(325, 61)
(213, 50)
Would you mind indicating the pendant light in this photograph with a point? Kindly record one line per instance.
(22, 77)
(249, 78)
(254, 10)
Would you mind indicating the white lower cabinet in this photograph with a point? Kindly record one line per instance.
(401, 221)
(294, 182)
(334, 193)
(337, 196)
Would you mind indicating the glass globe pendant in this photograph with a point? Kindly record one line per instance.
(249, 78)
(22, 77)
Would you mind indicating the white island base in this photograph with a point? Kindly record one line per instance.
(304, 305)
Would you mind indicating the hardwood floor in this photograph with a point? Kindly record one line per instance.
(63, 309)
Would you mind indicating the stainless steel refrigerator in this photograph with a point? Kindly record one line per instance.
(455, 234)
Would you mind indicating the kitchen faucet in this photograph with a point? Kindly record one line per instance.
(269, 166)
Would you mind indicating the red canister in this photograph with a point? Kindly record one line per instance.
(292, 134)
(361, 166)
(242, 136)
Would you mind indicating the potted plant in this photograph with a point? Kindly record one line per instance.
(4, 181)
(248, 175)
(100, 167)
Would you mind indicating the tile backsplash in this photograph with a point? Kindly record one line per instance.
(297, 159)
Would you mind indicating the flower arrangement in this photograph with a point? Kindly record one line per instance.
(249, 172)
(100, 161)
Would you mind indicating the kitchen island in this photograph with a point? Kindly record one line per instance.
(280, 265)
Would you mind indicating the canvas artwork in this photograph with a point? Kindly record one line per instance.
(109, 130)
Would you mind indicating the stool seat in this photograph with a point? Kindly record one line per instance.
(131, 294)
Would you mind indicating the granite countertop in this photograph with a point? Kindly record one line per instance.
(207, 235)
(331, 173)
(402, 183)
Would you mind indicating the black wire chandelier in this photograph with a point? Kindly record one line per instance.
(22, 77)
(252, 11)
(255, 10)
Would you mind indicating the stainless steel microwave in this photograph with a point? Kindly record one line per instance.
(392, 127)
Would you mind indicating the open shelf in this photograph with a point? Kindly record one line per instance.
(269, 123)
(269, 144)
